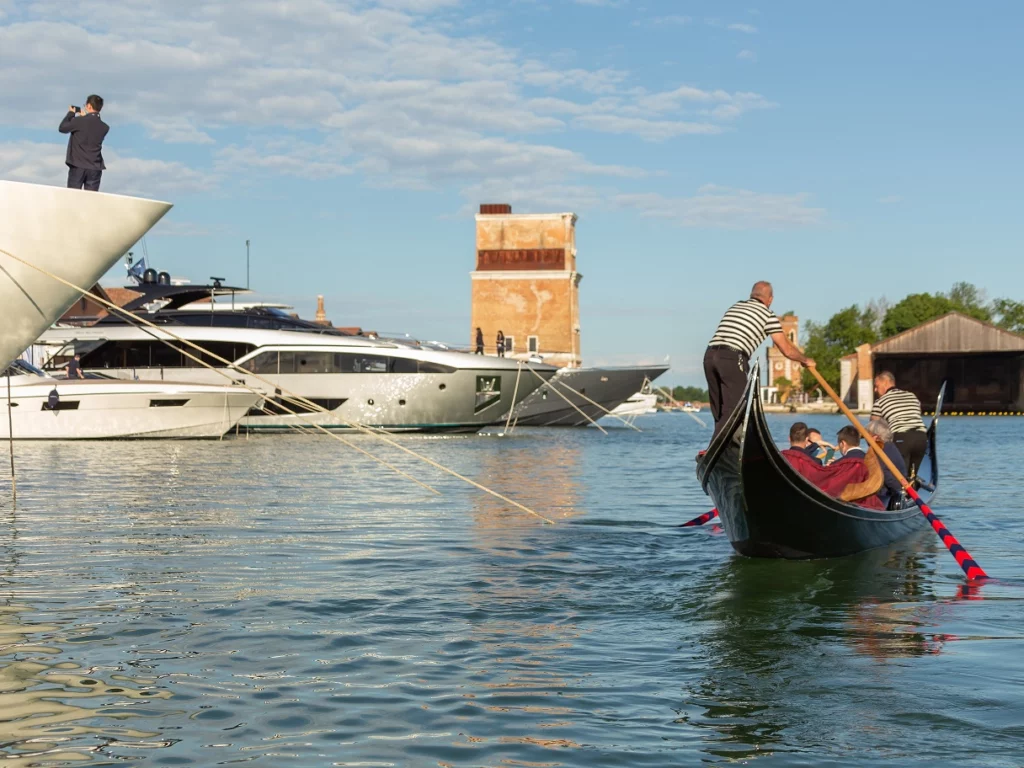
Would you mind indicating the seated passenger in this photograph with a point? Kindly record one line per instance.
(823, 452)
(798, 439)
(848, 444)
(891, 489)
(854, 480)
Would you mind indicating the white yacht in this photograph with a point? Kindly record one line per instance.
(95, 408)
(390, 384)
(70, 233)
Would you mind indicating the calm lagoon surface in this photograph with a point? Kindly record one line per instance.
(284, 601)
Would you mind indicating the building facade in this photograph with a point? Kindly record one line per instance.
(526, 285)
(778, 365)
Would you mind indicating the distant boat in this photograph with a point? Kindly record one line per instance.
(636, 405)
(690, 408)
(73, 234)
(100, 408)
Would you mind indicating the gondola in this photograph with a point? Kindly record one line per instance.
(770, 510)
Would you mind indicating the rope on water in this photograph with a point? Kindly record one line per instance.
(290, 395)
(570, 402)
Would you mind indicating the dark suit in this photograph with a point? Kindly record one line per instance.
(85, 149)
(853, 453)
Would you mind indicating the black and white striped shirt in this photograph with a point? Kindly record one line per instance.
(745, 325)
(901, 411)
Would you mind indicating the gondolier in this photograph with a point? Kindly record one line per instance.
(727, 360)
(901, 410)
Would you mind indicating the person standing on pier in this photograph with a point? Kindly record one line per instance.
(727, 360)
(85, 144)
(901, 410)
(501, 344)
(479, 341)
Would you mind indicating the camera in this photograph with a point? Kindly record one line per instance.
(76, 110)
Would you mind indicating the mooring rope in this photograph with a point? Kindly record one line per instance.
(10, 438)
(292, 396)
(592, 402)
(515, 391)
(570, 402)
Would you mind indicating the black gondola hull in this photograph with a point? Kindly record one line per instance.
(769, 510)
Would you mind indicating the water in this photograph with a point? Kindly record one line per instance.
(284, 601)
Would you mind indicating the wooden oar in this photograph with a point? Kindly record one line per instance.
(963, 557)
(702, 519)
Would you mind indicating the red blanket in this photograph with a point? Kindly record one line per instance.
(833, 478)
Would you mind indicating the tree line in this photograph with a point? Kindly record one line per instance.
(848, 328)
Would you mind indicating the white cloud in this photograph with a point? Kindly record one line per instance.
(393, 90)
(746, 55)
(749, 29)
(43, 163)
(726, 208)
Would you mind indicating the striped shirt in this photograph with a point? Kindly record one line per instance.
(745, 325)
(901, 411)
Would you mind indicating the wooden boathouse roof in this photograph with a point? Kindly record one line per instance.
(952, 333)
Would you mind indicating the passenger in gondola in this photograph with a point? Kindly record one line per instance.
(855, 480)
(824, 452)
(848, 444)
(799, 438)
(891, 491)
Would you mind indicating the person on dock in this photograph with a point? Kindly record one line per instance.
(501, 344)
(745, 325)
(74, 367)
(848, 444)
(85, 144)
(891, 489)
(901, 410)
(479, 341)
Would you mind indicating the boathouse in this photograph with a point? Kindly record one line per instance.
(982, 365)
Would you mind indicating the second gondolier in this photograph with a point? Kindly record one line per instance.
(745, 325)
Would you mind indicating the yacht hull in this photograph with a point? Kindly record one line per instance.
(102, 409)
(71, 233)
(609, 387)
(420, 402)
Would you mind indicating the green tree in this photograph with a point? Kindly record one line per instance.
(915, 309)
(840, 336)
(919, 308)
(684, 394)
(1009, 314)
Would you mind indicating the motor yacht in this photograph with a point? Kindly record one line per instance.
(73, 234)
(393, 384)
(46, 408)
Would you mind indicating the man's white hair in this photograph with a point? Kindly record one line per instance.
(879, 428)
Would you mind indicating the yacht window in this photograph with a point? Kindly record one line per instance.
(403, 365)
(370, 363)
(264, 362)
(314, 362)
(428, 367)
(287, 362)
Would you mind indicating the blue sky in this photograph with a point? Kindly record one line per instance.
(844, 152)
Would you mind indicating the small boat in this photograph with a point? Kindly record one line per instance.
(100, 408)
(690, 408)
(769, 510)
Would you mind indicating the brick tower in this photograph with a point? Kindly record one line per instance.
(780, 366)
(526, 285)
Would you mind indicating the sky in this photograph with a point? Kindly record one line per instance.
(842, 151)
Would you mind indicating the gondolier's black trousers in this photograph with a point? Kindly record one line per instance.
(912, 446)
(726, 371)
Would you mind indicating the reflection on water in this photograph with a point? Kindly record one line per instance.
(283, 602)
